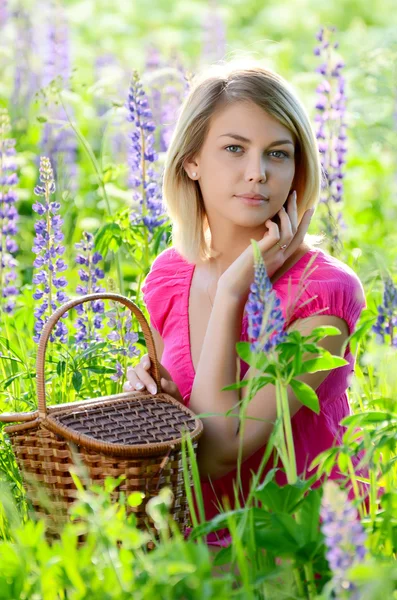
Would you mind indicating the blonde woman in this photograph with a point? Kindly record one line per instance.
(243, 164)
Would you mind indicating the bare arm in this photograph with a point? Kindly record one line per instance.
(158, 342)
(218, 446)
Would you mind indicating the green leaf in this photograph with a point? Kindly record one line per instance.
(306, 395)
(42, 119)
(309, 515)
(135, 498)
(368, 418)
(319, 333)
(284, 498)
(61, 368)
(359, 334)
(7, 382)
(312, 348)
(287, 350)
(343, 463)
(98, 369)
(258, 383)
(294, 337)
(322, 363)
(280, 536)
(297, 361)
(256, 360)
(108, 238)
(77, 380)
(10, 358)
(235, 386)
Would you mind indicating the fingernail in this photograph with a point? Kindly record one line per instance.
(153, 389)
(294, 194)
(139, 385)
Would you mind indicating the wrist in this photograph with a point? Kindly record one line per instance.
(227, 297)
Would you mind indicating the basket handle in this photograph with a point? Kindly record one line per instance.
(54, 318)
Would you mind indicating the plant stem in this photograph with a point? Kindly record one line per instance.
(299, 582)
(355, 485)
(288, 433)
(311, 586)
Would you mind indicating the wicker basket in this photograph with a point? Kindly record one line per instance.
(133, 434)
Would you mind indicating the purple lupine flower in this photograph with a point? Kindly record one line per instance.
(123, 338)
(153, 58)
(344, 536)
(8, 215)
(58, 142)
(142, 155)
(265, 319)
(26, 76)
(331, 135)
(386, 324)
(214, 35)
(173, 97)
(90, 318)
(48, 247)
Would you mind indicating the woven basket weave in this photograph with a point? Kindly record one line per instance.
(138, 435)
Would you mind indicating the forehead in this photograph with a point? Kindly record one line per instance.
(247, 119)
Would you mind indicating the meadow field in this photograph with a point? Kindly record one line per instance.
(89, 96)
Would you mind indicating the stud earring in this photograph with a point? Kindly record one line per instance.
(194, 174)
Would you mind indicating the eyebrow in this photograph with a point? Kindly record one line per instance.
(241, 138)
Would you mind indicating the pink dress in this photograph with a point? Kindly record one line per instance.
(334, 289)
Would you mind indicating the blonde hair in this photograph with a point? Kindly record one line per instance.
(219, 85)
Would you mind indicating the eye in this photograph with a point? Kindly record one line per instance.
(233, 146)
(285, 155)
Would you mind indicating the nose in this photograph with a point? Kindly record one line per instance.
(256, 171)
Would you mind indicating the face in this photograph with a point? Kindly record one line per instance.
(228, 166)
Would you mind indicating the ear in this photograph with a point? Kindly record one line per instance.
(191, 166)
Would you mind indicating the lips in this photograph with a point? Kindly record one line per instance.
(252, 196)
(251, 201)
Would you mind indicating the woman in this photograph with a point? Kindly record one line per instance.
(243, 164)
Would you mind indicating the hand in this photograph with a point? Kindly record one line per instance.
(138, 376)
(236, 280)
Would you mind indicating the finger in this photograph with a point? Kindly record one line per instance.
(133, 379)
(293, 211)
(286, 233)
(302, 230)
(145, 378)
(145, 361)
(127, 387)
(271, 237)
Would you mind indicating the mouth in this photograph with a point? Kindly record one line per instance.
(249, 201)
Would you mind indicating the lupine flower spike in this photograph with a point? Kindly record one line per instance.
(58, 141)
(142, 155)
(123, 338)
(47, 246)
(90, 317)
(331, 134)
(344, 537)
(386, 324)
(265, 319)
(8, 216)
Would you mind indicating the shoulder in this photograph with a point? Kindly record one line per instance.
(164, 285)
(323, 285)
(167, 264)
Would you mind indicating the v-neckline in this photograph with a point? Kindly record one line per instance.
(306, 256)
